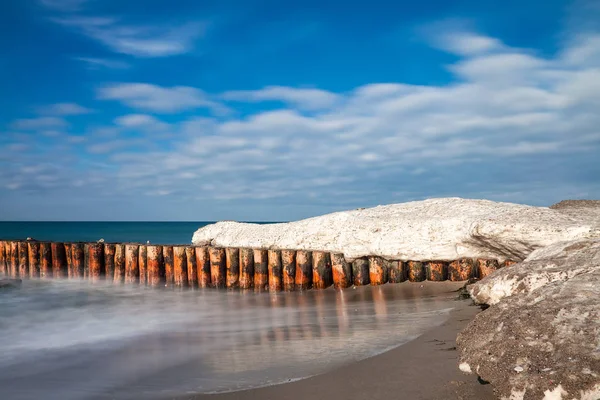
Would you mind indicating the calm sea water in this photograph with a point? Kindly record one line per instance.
(155, 232)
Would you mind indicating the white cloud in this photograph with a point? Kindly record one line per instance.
(309, 99)
(136, 120)
(39, 123)
(138, 41)
(145, 96)
(63, 109)
(64, 5)
(96, 63)
(468, 43)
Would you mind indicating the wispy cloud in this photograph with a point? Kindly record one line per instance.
(63, 109)
(150, 97)
(137, 40)
(304, 98)
(39, 123)
(97, 63)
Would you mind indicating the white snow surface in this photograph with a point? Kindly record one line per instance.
(434, 229)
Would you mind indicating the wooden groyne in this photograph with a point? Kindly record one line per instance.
(233, 268)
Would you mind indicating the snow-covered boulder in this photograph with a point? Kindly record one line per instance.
(435, 229)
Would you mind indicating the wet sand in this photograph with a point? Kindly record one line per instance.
(425, 368)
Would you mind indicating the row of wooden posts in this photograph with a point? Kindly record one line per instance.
(202, 266)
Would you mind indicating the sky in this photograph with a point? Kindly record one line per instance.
(264, 110)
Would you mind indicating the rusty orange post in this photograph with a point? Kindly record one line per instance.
(397, 271)
(342, 271)
(322, 274)
(143, 264)
(156, 265)
(261, 269)
(508, 263)
(14, 259)
(45, 260)
(132, 266)
(2, 258)
(23, 260)
(119, 274)
(360, 272)
(69, 256)
(246, 268)
(34, 259)
(109, 261)
(218, 267)
(436, 271)
(416, 271)
(485, 267)
(232, 262)
(275, 271)
(59, 260)
(169, 265)
(461, 270)
(377, 271)
(180, 278)
(192, 267)
(95, 259)
(203, 265)
(304, 271)
(77, 260)
(288, 266)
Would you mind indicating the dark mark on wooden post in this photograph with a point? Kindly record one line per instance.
(461, 270)
(397, 271)
(109, 261)
(45, 260)
(203, 264)
(304, 270)
(246, 268)
(218, 268)
(95, 258)
(169, 266)
(360, 272)
(377, 271)
(275, 271)
(322, 274)
(192, 266)
(436, 271)
(143, 264)
(416, 271)
(232, 261)
(180, 277)
(23, 260)
(485, 267)
(119, 274)
(59, 260)
(342, 271)
(34, 259)
(156, 266)
(288, 266)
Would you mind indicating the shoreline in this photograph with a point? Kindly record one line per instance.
(425, 368)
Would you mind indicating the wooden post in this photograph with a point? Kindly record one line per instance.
(59, 260)
(360, 272)
(192, 267)
(95, 260)
(45, 260)
(218, 268)
(132, 266)
(203, 265)
(461, 270)
(156, 266)
(275, 271)
(397, 272)
(69, 256)
(436, 271)
(109, 261)
(169, 265)
(77, 260)
(14, 259)
(23, 260)
(416, 271)
(304, 271)
(288, 264)
(485, 267)
(232, 261)
(322, 274)
(3, 270)
(143, 264)
(261, 269)
(377, 271)
(180, 278)
(119, 275)
(246, 268)
(34, 259)
(342, 271)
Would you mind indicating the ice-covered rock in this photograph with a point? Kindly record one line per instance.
(435, 229)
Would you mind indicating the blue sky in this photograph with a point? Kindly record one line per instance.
(278, 110)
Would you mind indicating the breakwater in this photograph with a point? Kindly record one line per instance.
(244, 268)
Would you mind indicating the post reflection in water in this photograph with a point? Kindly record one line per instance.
(75, 340)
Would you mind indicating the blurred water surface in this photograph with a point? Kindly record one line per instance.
(77, 340)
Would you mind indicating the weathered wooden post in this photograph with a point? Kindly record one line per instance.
(95, 259)
(77, 260)
(23, 260)
(304, 271)
(109, 261)
(261, 269)
(156, 266)
(360, 272)
(143, 264)
(34, 259)
(192, 266)
(45, 260)
(132, 266)
(59, 260)
(322, 274)
(461, 270)
(275, 271)
(342, 271)
(119, 275)
(232, 261)
(377, 271)
(288, 265)
(486, 266)
(397, 271)
(169, 265)
(14, 259)
(416, 271)
(204, 268)
(436, 271)
(69, 256)
(180, 278)
(218, 268)
(3, 270)
(246, 268)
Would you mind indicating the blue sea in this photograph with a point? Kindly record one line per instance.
(136, 232)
